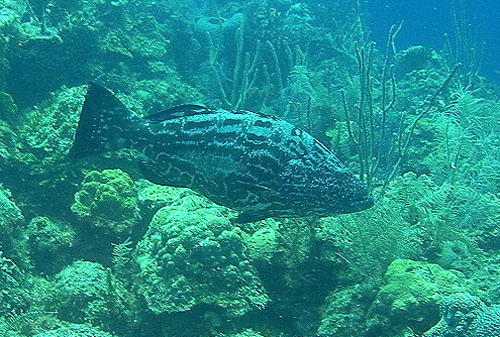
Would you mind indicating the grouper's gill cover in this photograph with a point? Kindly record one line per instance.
(250, 162)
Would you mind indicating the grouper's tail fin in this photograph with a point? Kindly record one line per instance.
(105, 124)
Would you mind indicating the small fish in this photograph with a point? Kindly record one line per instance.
(259, 165)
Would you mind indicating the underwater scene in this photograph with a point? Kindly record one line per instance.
(261, 168)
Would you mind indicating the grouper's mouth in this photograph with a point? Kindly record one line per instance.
(357, 202)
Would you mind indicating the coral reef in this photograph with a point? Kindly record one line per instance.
(48, 129)
(417, 58)
(90, 249)
(247, 333)
(458, 311)
(264, 246)
(75, 330)
(85, 291)
(12, 224)
(487, 323)
(411, 296)
(77, 286)
(342, 314)
(8, 109)
(13, 295)
(49, 240)
(464, 315)
(192, 255)
(108, 200)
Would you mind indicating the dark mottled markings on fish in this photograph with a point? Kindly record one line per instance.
(257, 164)
(263, 124)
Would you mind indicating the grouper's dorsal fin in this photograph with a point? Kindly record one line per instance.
(177, 112)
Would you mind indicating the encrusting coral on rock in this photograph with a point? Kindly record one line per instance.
(193, 255)
(108, 200)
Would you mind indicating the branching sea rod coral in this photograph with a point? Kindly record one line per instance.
(192, 256)
(381, 147)
(88, 251)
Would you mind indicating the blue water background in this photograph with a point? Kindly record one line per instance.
(425, 22)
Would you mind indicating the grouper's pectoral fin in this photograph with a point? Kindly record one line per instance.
(264, 193)
(150, 171)
(163, 173)
(264, 196)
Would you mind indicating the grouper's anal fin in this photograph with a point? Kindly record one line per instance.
(104, 123)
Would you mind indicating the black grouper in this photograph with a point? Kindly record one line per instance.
(250, 162)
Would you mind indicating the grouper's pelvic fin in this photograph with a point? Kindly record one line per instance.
(104, 123)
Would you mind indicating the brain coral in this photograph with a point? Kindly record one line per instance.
(464, 315)
(457, 313)
(192, 254)
(49, 127)
(487, 323)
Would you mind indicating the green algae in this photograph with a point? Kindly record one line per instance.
(108, 200)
